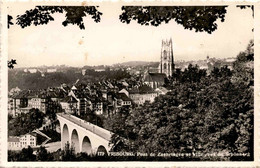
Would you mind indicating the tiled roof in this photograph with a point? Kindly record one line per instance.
(13, 139)
(163, 89)
(22, 94)
(69, 99)
(123, 96)
(155, 77)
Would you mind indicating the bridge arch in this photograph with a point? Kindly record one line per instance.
(83, 136)
(65, 135)
(86, 145)
(57, 126)
(75, 140)
(101, 151)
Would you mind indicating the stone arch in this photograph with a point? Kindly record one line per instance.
(101, 151)
(65, 135)
(75, 140)
(86, 145)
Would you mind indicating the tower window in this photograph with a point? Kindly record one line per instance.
(164, 66)
(165, 54)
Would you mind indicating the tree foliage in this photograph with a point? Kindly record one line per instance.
(25, 155)
(118, 123)
(208, 114)
(43, 14)
(11, 63)
(25, 123)
(9, 21)
(92, 117)
(43, 155)
(68, 153)
(199, 18)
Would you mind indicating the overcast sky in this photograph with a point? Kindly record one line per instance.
(111, 41)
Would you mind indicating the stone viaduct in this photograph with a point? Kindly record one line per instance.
(84, 136)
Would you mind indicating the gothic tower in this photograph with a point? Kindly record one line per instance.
(167, 62)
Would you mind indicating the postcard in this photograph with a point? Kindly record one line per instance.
(151, 84)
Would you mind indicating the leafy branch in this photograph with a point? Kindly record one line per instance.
(41, 15)
(11, 63)
(199, 18)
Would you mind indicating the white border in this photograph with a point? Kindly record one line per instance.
(3, 91)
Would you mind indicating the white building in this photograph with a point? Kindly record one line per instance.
(23, 141)
(32, 70)
(140, 98)
(51, 70)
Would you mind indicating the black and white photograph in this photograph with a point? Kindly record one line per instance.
(130, 83)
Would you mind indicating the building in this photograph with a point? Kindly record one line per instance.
(19, 101)
(33, 70)
(166, 65)
(14, 91)
(70, 105)
(154, 80)
(140, 96)
(23, 141)
(34, 102)
(122, 100)
(51, 70)
(83, 72)
(99, 108)
(10, 106)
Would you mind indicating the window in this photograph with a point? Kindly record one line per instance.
(165, 54)
(164, 66)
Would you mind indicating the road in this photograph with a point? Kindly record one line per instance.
(53, 147)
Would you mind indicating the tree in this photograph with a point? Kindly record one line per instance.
(51, 112)
(199, 18)
(26, 154)
(68, 154)
(210, 114)
(192, 74)
(92, 117)
(43, 15)
(25, 123)
(11, 63)
(9, 21)
(118, 124)
(43, 155)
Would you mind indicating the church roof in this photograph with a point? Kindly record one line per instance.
(155, 77)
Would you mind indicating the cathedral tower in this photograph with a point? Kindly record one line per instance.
(167, 62)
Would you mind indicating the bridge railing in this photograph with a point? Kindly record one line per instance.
(88, 126)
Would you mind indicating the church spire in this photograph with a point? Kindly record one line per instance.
(167, 62)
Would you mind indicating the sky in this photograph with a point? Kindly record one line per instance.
(111, 41)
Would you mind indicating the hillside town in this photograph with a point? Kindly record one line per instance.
(111, 101)
(104, 98)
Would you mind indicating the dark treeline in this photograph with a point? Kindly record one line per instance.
(35, 81)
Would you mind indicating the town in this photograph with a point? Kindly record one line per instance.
(96, 95)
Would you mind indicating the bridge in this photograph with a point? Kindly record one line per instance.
(84, 136)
